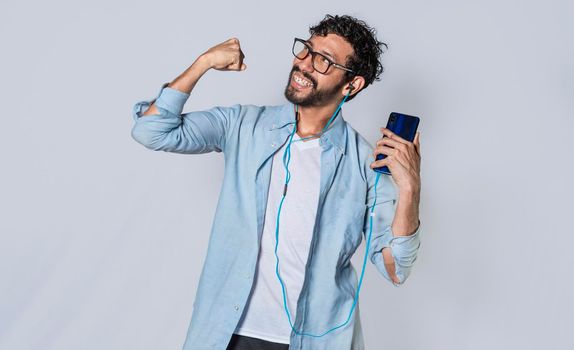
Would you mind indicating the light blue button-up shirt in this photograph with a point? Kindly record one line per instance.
(249, 136)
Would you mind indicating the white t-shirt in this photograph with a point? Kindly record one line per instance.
(264, 316)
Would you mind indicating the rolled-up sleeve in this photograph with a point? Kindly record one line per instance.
(171, 131)
(404, 249)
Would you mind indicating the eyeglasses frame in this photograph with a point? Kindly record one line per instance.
(313, 53)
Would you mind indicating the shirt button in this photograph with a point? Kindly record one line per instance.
(236, 307)
(273, 144)
(273, 126)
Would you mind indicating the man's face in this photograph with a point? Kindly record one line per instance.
(319, 89)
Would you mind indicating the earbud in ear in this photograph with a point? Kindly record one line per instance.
(351, 87)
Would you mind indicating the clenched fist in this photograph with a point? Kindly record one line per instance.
(226, 56)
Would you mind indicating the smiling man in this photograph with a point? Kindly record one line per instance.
(296, 198)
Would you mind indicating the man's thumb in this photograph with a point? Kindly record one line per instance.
(243, 66)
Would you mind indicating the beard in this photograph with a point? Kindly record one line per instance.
(315, 96)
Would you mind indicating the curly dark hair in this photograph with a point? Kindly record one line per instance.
(367, 49)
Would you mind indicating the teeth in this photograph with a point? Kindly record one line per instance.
(303, 82)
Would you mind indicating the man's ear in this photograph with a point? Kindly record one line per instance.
(355, 85)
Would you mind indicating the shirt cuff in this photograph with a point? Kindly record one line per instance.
(408, 244)
(404, 251)
(169, 99)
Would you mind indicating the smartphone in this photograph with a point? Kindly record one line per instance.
(403, 125)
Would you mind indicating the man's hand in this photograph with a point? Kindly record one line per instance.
(403, 159)
(226, 56)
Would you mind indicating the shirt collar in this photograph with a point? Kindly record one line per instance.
(336, 134)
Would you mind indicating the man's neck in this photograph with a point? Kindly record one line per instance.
(313, 119)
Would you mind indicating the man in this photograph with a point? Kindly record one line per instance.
(277, 274)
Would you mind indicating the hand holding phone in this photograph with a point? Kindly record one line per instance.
(404, 126)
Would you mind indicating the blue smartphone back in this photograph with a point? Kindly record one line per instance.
(403, 125)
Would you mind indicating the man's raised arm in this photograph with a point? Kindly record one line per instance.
(162, 126)
(225, 56)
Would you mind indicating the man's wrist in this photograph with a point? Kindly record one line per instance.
(203, 62)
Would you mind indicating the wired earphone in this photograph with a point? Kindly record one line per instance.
(286, 159)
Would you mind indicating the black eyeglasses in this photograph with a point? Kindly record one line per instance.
(320, 62)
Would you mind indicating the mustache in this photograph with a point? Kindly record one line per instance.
(310, 78)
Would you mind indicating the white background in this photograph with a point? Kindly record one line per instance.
(102, 241)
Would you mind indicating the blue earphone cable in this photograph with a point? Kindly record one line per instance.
(286, 160)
